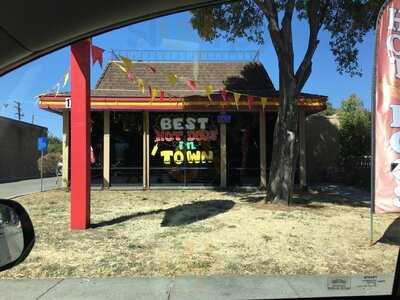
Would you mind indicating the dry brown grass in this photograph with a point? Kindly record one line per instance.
(181, 232)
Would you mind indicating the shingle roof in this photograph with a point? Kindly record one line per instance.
(245, 77)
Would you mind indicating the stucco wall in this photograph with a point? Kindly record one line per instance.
(18, 149)
(322, 138)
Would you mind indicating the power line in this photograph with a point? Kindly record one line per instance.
(18, 107)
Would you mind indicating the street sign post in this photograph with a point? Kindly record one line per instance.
(42, 146)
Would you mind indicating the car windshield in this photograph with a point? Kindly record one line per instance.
(202, 153)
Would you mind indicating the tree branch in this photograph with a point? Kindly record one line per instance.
(269, 9)
(315, 16)
(281, 37)
(287, 32)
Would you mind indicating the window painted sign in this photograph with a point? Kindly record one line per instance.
(387, 111)
(184, 140)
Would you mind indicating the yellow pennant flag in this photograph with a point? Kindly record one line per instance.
(154, 93)
(236, 96)
(58, 88)
(121, 67)
(172, 78)
(209, 89)
(126, 62)
(66, 78)
(264, 101)
(140, 85)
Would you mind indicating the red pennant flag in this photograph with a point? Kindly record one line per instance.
(191, 84)
(224, 95)
(250, 100)
(162, 95)
(151, 68)
(131, 76)
(97, 55)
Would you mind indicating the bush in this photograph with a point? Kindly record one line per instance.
(355, 142)
(50, 161)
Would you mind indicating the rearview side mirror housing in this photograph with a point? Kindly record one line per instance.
(17, 235)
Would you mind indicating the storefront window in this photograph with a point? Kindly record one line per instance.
(126, 148)
(184, 149)
(97, 147)
(243, 149)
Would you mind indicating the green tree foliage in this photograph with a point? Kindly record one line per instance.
(54, 144)
(346, 21)
(354, 130)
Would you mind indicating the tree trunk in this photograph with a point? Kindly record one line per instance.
(285, 147)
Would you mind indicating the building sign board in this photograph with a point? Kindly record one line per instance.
(42, 143)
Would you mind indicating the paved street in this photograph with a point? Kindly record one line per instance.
(196, 288)
(17, 188)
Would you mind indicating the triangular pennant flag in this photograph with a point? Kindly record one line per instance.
(208, 89)
(264, 101)
(151, 68)
(236, 96)
(224, 95)
(172, 78)
(130, 75)
(97, 55)
(250, 100)
(154, 93)
(58, 88)
(162, 95)
(140, 85)
(121, 67)
(191, 84)
(127, 62)
(66, 78)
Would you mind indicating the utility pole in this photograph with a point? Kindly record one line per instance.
(33, 118)
(18, 107)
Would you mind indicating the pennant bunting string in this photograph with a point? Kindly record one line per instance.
(264, 101)
(250, 100)
(191, 84)
(97, 55)
(209, 89)
(66, 78)
(236, 96)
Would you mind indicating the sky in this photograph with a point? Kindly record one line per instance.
(174, 32)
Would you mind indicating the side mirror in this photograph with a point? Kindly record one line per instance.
(17, 236)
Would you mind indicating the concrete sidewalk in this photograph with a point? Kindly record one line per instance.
(197, 288)
(13, 189)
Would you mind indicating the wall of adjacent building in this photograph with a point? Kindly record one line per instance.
(18, 149)
(322, 147)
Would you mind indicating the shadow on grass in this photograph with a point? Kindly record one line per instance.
(179, 215)
(125, 218)
(310, 199)
(189, 213)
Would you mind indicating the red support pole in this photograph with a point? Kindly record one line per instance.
(80, 134)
